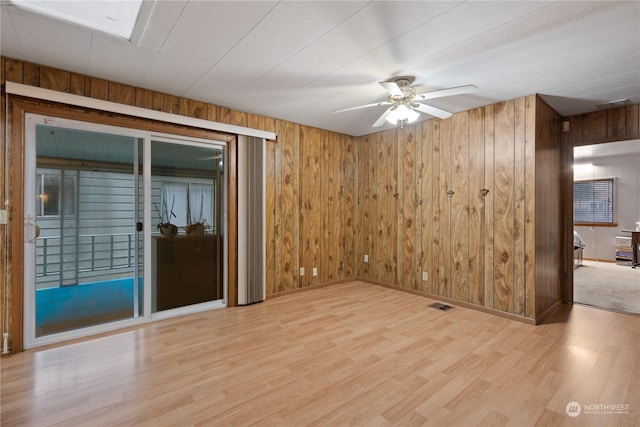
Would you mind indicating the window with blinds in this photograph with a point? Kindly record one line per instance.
(593, 202)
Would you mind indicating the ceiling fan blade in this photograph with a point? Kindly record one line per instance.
(436, 112)
(382, 118)
(460, 90)
(375, 104)
(392, 88)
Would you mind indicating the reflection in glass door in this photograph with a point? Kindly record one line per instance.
(187, 242)
(121, 227)
(81, 236)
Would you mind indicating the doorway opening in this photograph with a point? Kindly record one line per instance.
(606, 212)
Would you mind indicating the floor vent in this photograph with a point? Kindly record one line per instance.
(441, 306)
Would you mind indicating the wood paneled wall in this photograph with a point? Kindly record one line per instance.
(615, 124)
(421, 207)
(310, 198)
(310, 180)
(411, 199)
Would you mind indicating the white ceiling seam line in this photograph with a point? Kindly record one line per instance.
(114, 107)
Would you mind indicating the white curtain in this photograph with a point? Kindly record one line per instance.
(201, 204)
(173, 207)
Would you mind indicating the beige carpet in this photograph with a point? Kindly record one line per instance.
(607, 285)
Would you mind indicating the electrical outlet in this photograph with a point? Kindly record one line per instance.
(366, 258)
(425, 276)
(315, 271)
(302, 271)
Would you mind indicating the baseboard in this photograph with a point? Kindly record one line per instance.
(306, 288)
(599, 260)
(549, 311)
(452, 301)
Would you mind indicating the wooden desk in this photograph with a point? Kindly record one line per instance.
(635, 240)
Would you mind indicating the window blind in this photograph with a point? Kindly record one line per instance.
(593, 201)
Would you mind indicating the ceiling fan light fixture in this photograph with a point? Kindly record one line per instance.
(393, 116)
(412, 116)
(402, 113)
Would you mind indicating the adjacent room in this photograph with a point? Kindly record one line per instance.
(292, 213)
(606, 214)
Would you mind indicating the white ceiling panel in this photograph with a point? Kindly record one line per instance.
(130, 69)
(299, 61)
(288, 29)
(201, 37)
(9, 42)
(54, 43)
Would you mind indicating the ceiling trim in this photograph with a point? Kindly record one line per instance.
(113, 107)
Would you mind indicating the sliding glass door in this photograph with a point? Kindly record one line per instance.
(187, 251)
(120, 226)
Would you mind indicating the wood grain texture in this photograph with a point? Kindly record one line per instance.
(444, 250)
(318, 361)
(232, 222)
(4, 230)
(347, 208)
(97, 88)
(223, 115)
(288, 254)
(395, 206)
(632, 121)
(426, 195)
(270, 270)
(476, 206)
(548, 186)
(327, 201)
(314, 189)
(362, 201)
(13, 70)
(14, 247)
(334, 219)
(616, 122)
(278, 231)
(436, 191)
(504, 207)
(530, 207)
(31, 74)
(489, 239)
(418, 257)
(381, 198)
(407, 225)
(460, 255)
(54, 79)
(519, 238)
(198, 109)
(594, 126)
(371, 173)
(122, 94)
(238, 118)
(77, 84)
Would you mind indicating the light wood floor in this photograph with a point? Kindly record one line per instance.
(352, 354)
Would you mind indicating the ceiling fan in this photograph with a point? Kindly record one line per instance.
(406, 104)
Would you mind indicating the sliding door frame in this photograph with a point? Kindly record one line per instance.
(18, 107)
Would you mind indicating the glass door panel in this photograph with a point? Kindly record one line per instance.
(187, 251)
(87, 247)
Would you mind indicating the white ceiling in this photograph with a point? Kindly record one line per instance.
(300, 60)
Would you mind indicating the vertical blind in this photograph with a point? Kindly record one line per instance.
(593, 201)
